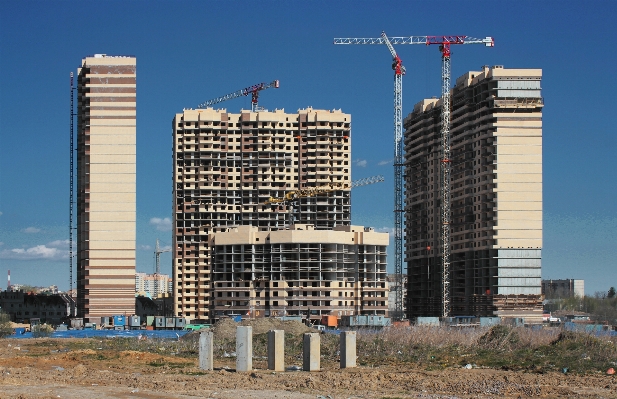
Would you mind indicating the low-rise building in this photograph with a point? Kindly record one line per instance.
(52, 309)
(563, 288)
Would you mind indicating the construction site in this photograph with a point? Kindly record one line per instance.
(228, 171)
(495, 197)
(467, 211)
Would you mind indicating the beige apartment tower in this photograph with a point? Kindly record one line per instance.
(106, 138)
(226, 165)
(496, 197)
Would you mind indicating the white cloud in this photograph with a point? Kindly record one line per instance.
(161, 224)
(1, 243)
(37, 252)
(30, 230)
(361, 163)
(59, 244)
(145, 247)
(165, 248)
(386, 162)
(0, 213)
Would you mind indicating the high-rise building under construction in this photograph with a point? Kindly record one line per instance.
(226, 165)
(106, 136)
(496, 197)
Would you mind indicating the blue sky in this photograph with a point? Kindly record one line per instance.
(190, 51)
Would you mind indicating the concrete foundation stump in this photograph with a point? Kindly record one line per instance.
(348, 349)
(276, 350)
(206, 361)
(244, 348)
(310, 352)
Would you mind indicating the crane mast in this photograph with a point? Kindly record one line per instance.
(157, 256)
(399, 71)
(252, 90)
(444, 42)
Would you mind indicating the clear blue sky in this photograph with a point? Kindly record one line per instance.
(190, 51)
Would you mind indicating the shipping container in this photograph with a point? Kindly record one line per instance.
(119, 320)
(150, 320)
(329, 321)
(90, 326)
(159, 322)
(180, 322)
(427, 321)
(106, 321)
(170, 322)
(365, 321)
(489, 321)
(77, 323)
(134, 321)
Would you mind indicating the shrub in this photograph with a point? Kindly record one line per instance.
(5, 325)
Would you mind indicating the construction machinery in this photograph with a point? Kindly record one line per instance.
(313, 191)
(252, 90)
(157, 256)
(291, 196)
(444, 43)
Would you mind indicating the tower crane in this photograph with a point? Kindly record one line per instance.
(294, 195)
(157, 256)
(252, 90)
(444, 43)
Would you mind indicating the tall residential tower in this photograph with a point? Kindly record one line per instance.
(226, 165)
(106, 136)
(496, 197)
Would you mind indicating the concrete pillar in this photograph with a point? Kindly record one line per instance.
(206, 340)
(348, 349)
(244, 348)
(310, 352)
(276, 350)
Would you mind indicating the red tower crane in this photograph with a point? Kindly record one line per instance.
(252, 90)
(444, 43)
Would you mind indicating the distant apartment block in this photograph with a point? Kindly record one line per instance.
(22, 307)
(153, 285)
(52, 289)
(496, 197)
(106, 136)
(299, 272)
(563, 288)
(226, 165)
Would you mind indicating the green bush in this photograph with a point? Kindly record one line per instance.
(42, 330)
(5, 325)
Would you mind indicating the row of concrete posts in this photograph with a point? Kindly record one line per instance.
(276, 350)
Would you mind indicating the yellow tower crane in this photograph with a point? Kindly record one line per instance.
(291, 196)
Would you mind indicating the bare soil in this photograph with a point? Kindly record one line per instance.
(70, 368)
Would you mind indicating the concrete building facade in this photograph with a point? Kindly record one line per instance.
(496, 197)
(299, 272)
(106, 155)
(563, 288)
(226, 165)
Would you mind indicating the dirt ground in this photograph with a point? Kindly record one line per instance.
(53, 368)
